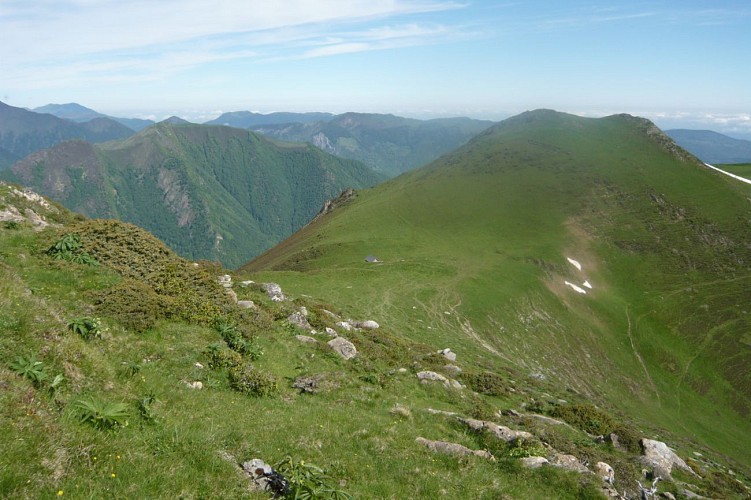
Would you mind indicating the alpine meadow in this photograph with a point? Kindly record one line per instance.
(375, 249)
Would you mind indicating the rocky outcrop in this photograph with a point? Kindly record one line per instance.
(448, 354)
(533, 462)
(263, 477)
(427, 376)
(367, 325)
(299, 318)
(568, 462)
(452, 448)
(274, 291)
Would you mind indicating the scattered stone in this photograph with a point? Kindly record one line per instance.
(510, 413)
(428, 376)
(568, 462)
(330, 332)
(313, 384)
(402, 370)
(344, 325)
(343, 347)
(225, 280)
(195, 385)
(246, 304)
(442, 412)
(246, 283)
(232, 294)
(400, 411)
(367, 325)
(537, 376)
(274, 291)
(534, 462)
(372, 259)
(330, 314)
(305, 339)
(452, 448)
(198, 365)
(501, 432)
(605, 472)
(613, 439)
(263, 477)
(299, 318)
(448, 354)
(668, 495)
(661, 458)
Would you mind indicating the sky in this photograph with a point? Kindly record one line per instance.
(681, 63)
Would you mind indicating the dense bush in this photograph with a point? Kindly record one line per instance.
(586, 417)
(134, 304)
(488, 383)
(251, 381)
(222, 357)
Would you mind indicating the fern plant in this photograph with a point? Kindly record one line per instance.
(30, 369)
(101, 414)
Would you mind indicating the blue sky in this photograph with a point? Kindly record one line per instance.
(679, 62)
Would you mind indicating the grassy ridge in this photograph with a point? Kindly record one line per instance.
(475, 245)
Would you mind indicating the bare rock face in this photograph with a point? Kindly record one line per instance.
(452, 448)
(661, 458)
(343, 347)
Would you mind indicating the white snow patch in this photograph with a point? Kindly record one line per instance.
(574, 263)
(576, 287)
(738, 177)
(587, 284)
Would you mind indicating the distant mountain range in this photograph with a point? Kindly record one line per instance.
(78, 113)
(248, 119)
(712, 147)
(210, 192)
(23, 132)
(390, 144)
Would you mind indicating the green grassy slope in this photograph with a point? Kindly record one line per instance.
(475, 246)
(209, 192)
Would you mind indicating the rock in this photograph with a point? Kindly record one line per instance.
(453, 369)
(668, 495)
(428, 376)
(225, 280)
(448, 354)
(299, 318)
(312, 384)
(367, 325)
(263, 477)
(344, 325)
(274, 291)
(330, 332)
(452, 448)
(533, 462)
(613, 439)
(246, 304)
(305, 339)
(605, 472)
(510, 413)
(343, 347)
(568, 462)
(198, 365)
(195, 385)
(501, 432)
(537, 376)
(232, 294)
(246, 283)
(661, 458)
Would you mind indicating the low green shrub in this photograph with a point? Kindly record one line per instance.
(30, 369)
(221, 357)
(132, 303)
(520, 448)
(251, 381)
(586, 417)
(308, 481)
(87, 327)
(488, 383)
(69, 248)
(101, 414)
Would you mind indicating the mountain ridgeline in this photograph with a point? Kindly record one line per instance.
(390, 144)
(712, 147)
(209, 192)
(595, 253)
(23, 132)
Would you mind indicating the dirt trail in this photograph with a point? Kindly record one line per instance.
(641, 361)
